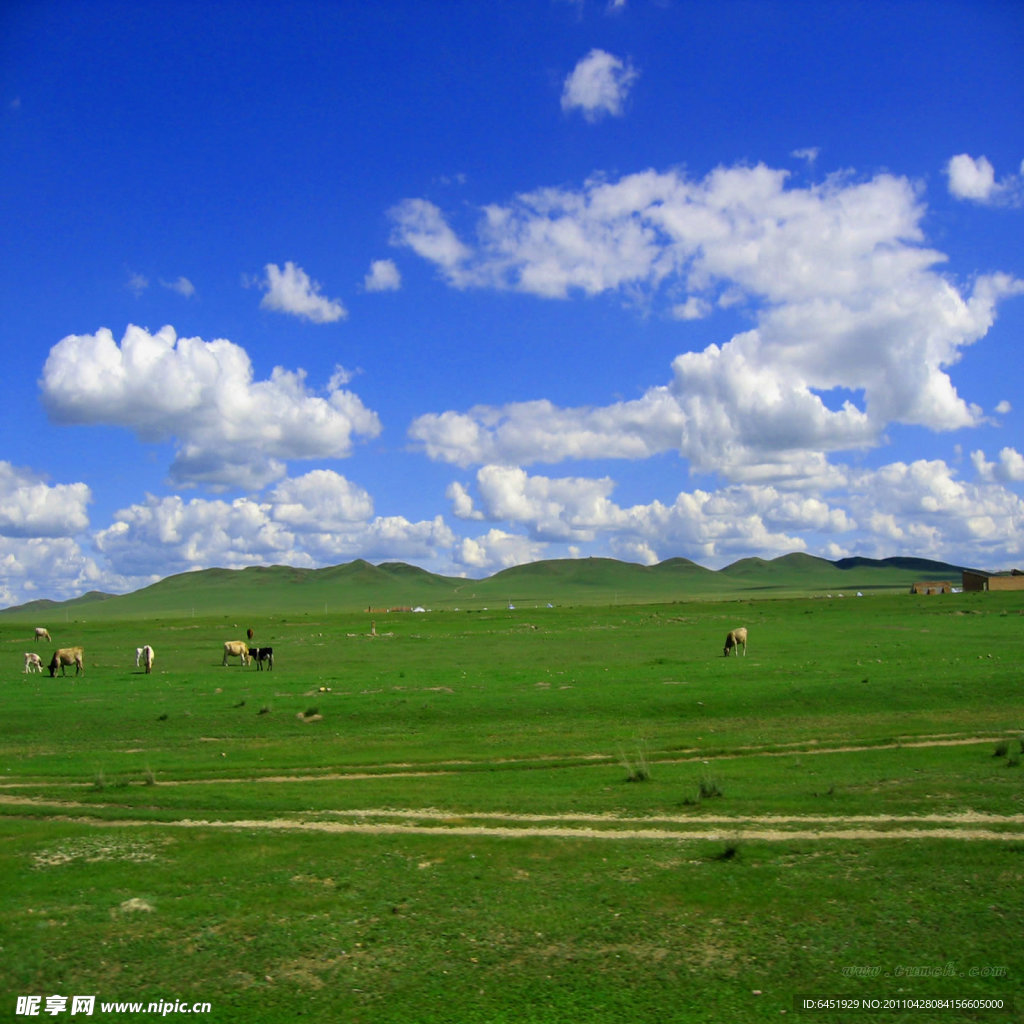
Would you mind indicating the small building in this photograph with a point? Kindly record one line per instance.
(976, 580)
(932, 587)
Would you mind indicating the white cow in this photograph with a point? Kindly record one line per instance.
(236, 649)
(148, 657)
(42, 633)
(734, 638)
(32, 662)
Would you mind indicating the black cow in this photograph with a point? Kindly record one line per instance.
(261, 655)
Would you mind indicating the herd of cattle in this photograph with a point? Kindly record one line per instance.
(263, 656)
(144, 656)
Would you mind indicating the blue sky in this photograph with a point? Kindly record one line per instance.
(475, 284)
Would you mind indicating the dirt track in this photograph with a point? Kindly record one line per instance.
(695, 825)
(430, 821)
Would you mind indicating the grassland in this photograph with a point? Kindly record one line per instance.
(541, 815)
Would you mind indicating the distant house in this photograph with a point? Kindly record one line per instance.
(932, 587)
(975, 580)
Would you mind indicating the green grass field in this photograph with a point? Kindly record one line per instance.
(579, 814)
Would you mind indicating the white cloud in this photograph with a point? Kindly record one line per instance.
(383, 276)
(844, 294)
(229, 429)
(50, 567)
(497, 549)
(420, 225)
(970, 178)
(1009, 468)
(705, 525)
(137, 284)
(918, 508)
(931, 513)
(598, 85)
(974, 178)
(291, 291)
(567, 509)
(182, 285)
(694, 308)
(170, 535)
(30, 507)
(320, 500)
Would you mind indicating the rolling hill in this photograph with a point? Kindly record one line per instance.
(359, 585)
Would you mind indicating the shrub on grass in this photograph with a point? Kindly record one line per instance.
(729, 853)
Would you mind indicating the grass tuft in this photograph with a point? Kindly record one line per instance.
(637, 768)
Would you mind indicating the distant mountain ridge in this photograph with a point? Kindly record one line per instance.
(360, 585)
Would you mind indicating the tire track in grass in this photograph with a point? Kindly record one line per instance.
(408, 770)
(967, 825)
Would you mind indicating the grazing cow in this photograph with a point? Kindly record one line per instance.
(32, 662)
(261, 655)
(236, 649)
(147, 657)
(67, 656)
(733, 640)
(42, 633)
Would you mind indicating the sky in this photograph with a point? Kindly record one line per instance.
(469, 285)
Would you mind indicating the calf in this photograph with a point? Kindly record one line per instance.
(260, 655)
(33, 663)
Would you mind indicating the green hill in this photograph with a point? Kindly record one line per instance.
(288, 591)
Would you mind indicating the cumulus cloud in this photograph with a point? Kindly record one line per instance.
(320, 518)
(571, 508)
(855, 325)
(920, 508)
(1009, 467)
(924, 508)
(30, 507)
(421, 226)
(974, 178)
(228, 428)
(497, 549)
(383, 276)
(708, 525)
(292, 291)
(321, 499)
(598, 86)
(52, 567)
